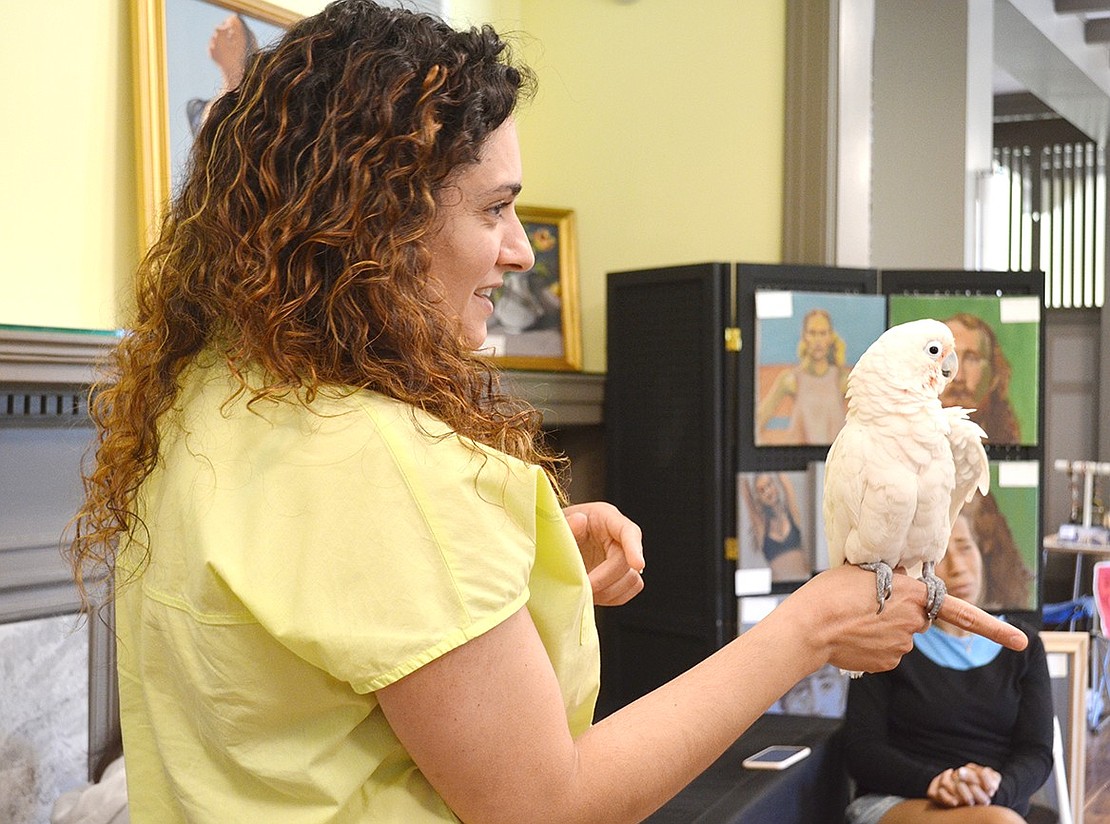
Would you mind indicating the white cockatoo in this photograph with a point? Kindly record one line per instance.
(902, 466)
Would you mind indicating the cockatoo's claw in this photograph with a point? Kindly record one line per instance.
(935, 591)
(884, 581)
(934, 606)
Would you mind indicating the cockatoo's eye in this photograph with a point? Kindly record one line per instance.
(933, 348)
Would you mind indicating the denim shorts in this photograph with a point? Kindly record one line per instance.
(868, 809)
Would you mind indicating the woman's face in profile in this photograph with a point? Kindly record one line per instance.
(479, 238)
(961, 569)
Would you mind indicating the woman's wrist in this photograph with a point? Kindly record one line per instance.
(801, 630)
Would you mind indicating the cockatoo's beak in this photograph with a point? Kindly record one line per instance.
(949, 366)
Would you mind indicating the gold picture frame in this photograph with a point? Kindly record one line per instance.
(535, 322)
(1067, 665)
(181, 34)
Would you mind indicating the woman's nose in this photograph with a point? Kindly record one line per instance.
(953, 565)
(516, 251)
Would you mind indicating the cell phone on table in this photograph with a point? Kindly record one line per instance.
(777, 757)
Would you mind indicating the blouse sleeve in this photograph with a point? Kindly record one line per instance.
(376, 542)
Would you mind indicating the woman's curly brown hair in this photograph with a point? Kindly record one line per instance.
(298, 244)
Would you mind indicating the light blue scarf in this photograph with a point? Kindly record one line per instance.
(954, 652)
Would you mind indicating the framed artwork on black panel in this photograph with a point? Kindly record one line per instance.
(776, 527)
(820, 542)
(806, 344)
(1003, 525)
(998, 345)
(1067, 654)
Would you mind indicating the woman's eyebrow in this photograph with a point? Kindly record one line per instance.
(512, 189)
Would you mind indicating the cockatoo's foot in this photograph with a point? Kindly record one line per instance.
(936, 591)
(884, 581)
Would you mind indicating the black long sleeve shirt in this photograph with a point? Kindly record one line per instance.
(905, 726)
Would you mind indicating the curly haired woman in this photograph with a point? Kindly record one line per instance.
(345, 586)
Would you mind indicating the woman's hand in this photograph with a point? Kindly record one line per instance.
(229, 49)
(968, 786)
(835, 612)
(612, 550)
(984, 777)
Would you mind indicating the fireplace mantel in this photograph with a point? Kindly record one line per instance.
(60, 363)
(39, 357)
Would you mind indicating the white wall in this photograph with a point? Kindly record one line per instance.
(922, 207)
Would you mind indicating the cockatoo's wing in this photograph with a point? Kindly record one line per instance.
(869, 502)
(969, 457)
(843, 492)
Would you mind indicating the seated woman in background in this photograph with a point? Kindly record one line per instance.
(961, 729)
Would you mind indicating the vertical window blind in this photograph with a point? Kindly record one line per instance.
(1056, 218)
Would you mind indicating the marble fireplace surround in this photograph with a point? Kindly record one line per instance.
(56, 668)
(44, 431)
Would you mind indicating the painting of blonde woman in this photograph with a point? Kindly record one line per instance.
(806, 346)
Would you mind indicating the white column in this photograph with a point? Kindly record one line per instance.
(932, 130)
(852, 132)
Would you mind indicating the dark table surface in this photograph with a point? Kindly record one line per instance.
(812, 791)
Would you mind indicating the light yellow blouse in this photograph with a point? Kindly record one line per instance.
(301, 559)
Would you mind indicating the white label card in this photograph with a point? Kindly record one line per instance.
(774, 305)
(1023, 309)
(1019, 473)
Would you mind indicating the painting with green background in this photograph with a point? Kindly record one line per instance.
(1019, 342)
(1020, 506)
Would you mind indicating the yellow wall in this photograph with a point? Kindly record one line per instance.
(67, 216)
(659, 123)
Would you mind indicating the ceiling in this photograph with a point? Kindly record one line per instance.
(1095, 15)
(1056, 52)
(1078, 27)
(1004, 83)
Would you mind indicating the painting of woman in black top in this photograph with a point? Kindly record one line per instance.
(775, 517)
